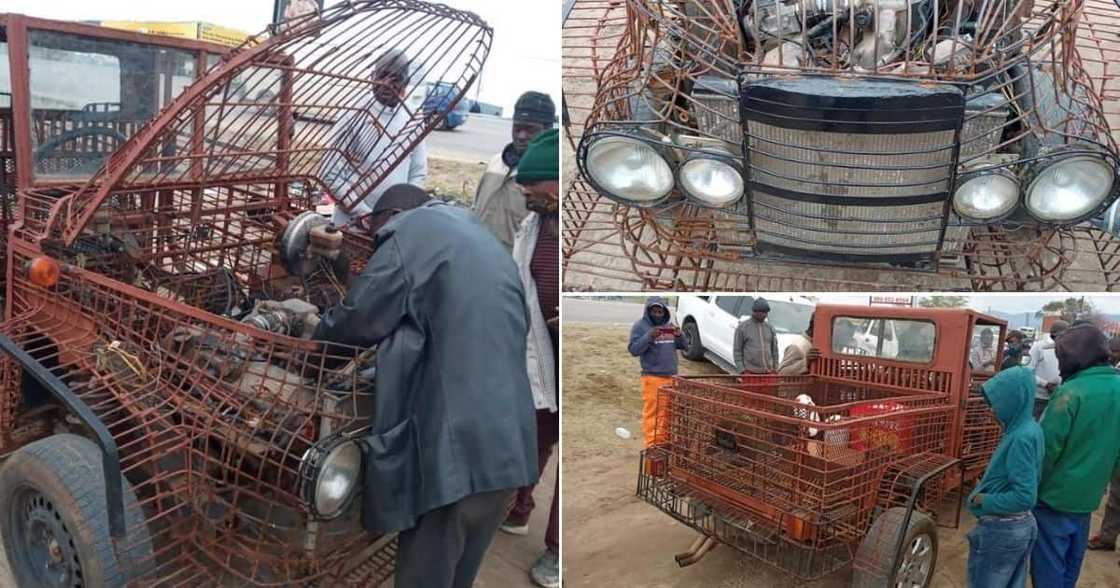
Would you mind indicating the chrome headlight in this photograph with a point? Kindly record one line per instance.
(711, 179)
(1069, 185)
(986, 195)
(629, 169)
(331, 473)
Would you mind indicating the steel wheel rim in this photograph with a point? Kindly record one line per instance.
(917, 563)
(45, 546)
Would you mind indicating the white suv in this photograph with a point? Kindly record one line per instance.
(709, 324)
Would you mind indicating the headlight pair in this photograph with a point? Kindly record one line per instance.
(1066, 186)
(638, 172)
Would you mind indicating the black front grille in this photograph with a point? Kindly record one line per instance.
(860, 170)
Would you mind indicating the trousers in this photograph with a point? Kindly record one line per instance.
(650, 430)
(446, 547)
(1057, 555)
(998, 551)
(548, 434)
(1110, 525)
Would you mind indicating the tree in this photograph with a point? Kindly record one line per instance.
(1071, 309)
(943, 302)
(1054, 306)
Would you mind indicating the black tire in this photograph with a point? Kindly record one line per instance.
(876, 551)
(54, 512)
(695, 349)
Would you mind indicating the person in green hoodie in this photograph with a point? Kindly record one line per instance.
(999, 546)
(1081, 426)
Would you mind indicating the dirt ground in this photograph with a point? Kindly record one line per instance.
(613, 538)
(454, 177)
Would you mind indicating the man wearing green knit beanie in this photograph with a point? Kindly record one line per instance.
(536, 251)
(541, 160)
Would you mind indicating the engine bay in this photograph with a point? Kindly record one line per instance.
(921, 36)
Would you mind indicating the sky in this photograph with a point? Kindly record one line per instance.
(525, 54)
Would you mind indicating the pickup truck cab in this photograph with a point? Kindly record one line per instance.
(709, 323)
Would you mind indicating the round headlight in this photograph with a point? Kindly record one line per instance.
(711, 180)
(1068, 188)
(334, 477)
(986, 195)
(630, 170)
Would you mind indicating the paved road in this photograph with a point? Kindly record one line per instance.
(478, 139)
(583, 310)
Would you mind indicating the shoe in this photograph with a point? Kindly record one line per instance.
(1095, 544)
(546, 572)
(515, 527)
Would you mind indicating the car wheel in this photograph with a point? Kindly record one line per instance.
(55, 525)
(694, 350)
(915, 565)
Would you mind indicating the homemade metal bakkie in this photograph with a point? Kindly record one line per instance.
(165, 417)
(856, 463)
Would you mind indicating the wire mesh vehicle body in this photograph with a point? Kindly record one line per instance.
(853, 463)
(948, 145)
(161, 294)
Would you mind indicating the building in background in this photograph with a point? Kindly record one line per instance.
(202, 31)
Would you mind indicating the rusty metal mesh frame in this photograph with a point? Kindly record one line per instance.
(743, 455)
(213, 421)
(306, 75)
(981, 433)
(682, 246)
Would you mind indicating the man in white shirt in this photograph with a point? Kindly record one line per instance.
(1045, 363)
(371, 136)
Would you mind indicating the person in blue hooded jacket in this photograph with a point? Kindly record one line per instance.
(655, 340)
(1000, 544)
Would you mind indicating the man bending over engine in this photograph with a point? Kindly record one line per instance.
(453, 432)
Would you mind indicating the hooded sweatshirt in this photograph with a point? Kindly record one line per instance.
(1082, 429)
(1010, 484)
(658, 354)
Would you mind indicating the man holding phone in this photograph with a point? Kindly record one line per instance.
(655, 340)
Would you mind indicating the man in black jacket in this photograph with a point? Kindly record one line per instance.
(453, 432)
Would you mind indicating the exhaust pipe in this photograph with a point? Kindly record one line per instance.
(699, 548)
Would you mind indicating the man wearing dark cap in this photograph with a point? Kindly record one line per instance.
(1081, 426)
(498, 200)
(536, 251)
(1013, 353)
(452, 434)
(756, 343)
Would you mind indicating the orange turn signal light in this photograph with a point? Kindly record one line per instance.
(44, 271)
